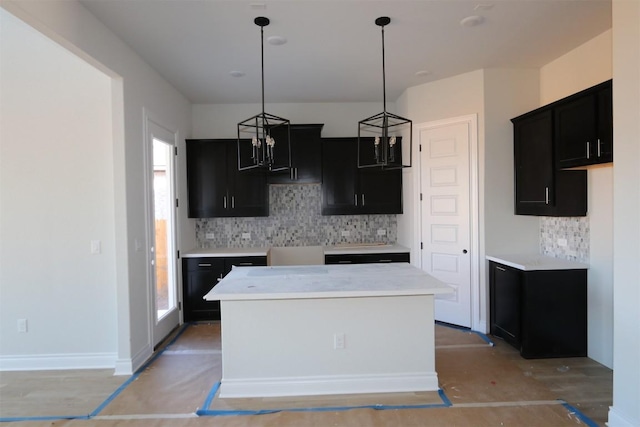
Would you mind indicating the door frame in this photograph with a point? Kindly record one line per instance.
(478, 311)
(151, 121)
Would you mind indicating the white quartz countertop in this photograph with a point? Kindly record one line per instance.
(353, 248)
(533, 262)
(325, 281)
(225, 252)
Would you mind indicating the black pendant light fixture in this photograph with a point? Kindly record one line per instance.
(384, 140)
(264, 139)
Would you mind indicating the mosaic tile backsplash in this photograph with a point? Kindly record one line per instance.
(295, 220)
(576, 232)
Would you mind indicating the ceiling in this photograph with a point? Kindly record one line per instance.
(333, 49)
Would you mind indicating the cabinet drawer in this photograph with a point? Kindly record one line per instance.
(366, 258)
(195, 264)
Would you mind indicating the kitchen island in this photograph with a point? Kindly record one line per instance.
(327, 329)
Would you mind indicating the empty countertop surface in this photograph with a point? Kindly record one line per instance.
(533, 262)
(341, 249)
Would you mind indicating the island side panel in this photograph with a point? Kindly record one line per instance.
(287, 347)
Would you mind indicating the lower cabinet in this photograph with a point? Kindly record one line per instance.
(542, 313)
(366, 258)
(199, 276)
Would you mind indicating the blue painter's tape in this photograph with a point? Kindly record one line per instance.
(226, 412)
(462, 328)
(44, 418)
(582, 417)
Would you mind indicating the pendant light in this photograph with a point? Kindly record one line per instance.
(384, 140)
(264, 140)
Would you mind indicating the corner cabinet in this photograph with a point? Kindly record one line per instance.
(215, 186)
(306, 152)
(200, 275)
(348, 190)
(542, 313)
(583, 129)
(541, 189)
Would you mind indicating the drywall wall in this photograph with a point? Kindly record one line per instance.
(625, 411)
(135, 88)
(583, 67)
(56, 197)
(339, 119)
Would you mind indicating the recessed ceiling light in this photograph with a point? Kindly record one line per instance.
(276, 40)
(472, 21)
(423, 73)
(236, 73)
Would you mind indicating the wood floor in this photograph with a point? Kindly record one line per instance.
(481, 385)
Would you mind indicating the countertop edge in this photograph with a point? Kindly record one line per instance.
(536, 262)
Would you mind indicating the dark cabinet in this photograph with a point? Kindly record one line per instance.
(199, 276)
(583, 130)
(306, 155)
(348, 190)
(542, 313)
(541, 189)
(215, 186)
(367, 258)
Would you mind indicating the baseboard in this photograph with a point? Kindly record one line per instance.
(338, 384)
(41, 362)
(616, 419)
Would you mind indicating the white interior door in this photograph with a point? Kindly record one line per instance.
(446, 215)
(161, 208)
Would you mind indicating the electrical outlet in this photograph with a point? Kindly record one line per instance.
(22, 326)
(246, 236)
(338, 341)
(562, 242)
(345, 233)
(209, 236)
(382, 232)
(96, 247)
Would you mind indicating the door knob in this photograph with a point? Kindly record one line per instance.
(464, 251)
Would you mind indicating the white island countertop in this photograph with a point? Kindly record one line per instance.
(325, 281)
(535, 262)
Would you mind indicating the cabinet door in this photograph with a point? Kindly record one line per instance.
(366, 258)
(505, 289)
(380, 191)
(575, 131)
(248, 193)
(306, 156)
(604, 147)
(206, 178)
(339, 176)
(534, 168)
(200, 275)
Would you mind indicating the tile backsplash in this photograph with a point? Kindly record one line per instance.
(566, 238)
(295, 220)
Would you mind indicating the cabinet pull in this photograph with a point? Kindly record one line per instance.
(546, 195)
(588, 149)
(355, 199)
(233, 202)
(362, 199)
(344, 262)
(295, 173)
(244, 263)
(204, 264)
(385, 260)
(599, 147)
(501, 269)
(224, 202)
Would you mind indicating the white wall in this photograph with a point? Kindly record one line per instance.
(625, 411)
(339, 119)
(56, 195)
(135, 87)
(583, 67)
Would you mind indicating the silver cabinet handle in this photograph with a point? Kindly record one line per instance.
(500, 268)
(385, 260)
(233, 202)
(204, 264)
(355, 199)
(546, 195)
(244, 263)
(224, 202)
(599, 152)
(362, 199)
(344, 262)
(588, 144)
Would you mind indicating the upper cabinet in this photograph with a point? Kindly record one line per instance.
(583, 127)
(216, 188)
(347, 190)
(541, 189)
(306, 152)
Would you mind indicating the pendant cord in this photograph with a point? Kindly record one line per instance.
(384, 79)
(262, 63)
